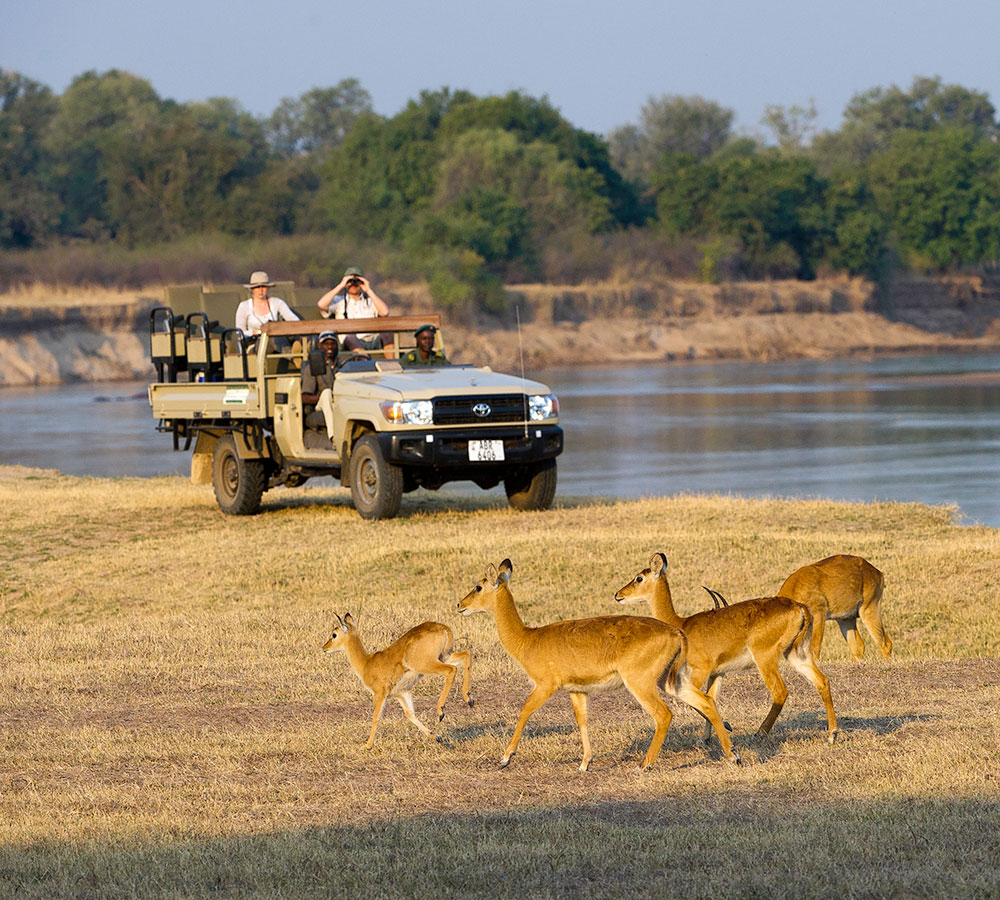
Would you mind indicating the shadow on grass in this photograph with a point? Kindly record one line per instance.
(691, 846)
(418, 503)
(504, 730)
(807, 726)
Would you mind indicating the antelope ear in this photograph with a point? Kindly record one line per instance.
(340, 621)
(348, 621)
(506, 570)
(491, 573)
(657, 563)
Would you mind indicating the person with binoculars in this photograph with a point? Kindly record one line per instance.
(354, 298)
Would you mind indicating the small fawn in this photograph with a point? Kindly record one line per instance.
(426, 649)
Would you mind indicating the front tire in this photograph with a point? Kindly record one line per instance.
(376, 486)
(239, 483)
(532, 487)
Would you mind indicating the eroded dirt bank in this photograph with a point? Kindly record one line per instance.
(102, 336)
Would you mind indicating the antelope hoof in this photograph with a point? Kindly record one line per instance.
(506, 761)
(471, 701)
(833, 737)
(441, 715)
(727, 726)
(737, 758)
(585, 765)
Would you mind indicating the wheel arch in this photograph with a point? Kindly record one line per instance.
(354, 430)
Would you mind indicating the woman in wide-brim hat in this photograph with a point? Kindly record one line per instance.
(259, 307)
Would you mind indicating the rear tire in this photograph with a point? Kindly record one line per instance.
(376, 486)
(532, 487)
(239, 483)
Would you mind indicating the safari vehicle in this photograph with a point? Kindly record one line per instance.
(238, 403)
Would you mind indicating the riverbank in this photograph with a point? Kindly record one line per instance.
(54, 336)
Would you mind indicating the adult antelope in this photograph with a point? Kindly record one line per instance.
(732, 638)
(425, 649)
(582, 656)
(841, 588)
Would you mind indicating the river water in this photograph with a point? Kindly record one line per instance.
(911, 428)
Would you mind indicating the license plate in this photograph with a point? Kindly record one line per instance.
(485, 451)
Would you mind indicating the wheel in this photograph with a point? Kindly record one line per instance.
(532, 487)
(376, 486)
(239, 483)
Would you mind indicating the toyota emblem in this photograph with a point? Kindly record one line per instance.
(482, 410)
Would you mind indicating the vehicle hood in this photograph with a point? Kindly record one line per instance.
(424, 384)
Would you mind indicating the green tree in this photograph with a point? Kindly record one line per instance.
(858, 239)
(28, 204)
(673, 124)
(319, 119)
(94, 114)
(504, 198)
(183, 169)
(940, 193)
(684, 186)
(873, 118)
(532, 119)
(772, 203)
(383, 173)
(792, 125)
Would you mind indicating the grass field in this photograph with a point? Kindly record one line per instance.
(170, 728)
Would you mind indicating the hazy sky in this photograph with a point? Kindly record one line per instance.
(596, 62)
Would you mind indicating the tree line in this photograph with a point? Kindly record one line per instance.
(471, 192)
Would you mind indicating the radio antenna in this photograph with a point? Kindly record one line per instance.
(520, 353)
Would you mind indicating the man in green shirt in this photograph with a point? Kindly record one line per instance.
(424, 354)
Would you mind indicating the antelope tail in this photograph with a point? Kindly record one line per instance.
(803, 639)
(673, 674)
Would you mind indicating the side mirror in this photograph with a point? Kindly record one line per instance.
(317, 362)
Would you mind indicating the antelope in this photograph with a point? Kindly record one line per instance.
(841, 588)
(424, 650)
(733, 638)
(582, 656)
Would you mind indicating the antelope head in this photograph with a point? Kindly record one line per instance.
(340, 632)
(640, 587)
(482, 598)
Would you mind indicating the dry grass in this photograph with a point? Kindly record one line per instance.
(169, 726)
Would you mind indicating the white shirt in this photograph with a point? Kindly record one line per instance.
(360, 307)
(250, 323)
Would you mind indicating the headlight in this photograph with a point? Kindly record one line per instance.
(542, 406)
(408, 412)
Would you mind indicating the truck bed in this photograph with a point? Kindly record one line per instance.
(205, 400)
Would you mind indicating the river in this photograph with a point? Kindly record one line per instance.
(908, 428)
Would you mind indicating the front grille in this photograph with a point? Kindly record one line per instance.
(459, 410)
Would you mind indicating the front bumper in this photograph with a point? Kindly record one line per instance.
(445, 449)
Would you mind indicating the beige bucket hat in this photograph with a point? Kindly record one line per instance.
(259, 279)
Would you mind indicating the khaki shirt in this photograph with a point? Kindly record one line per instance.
(314, 384)
(413, 358)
